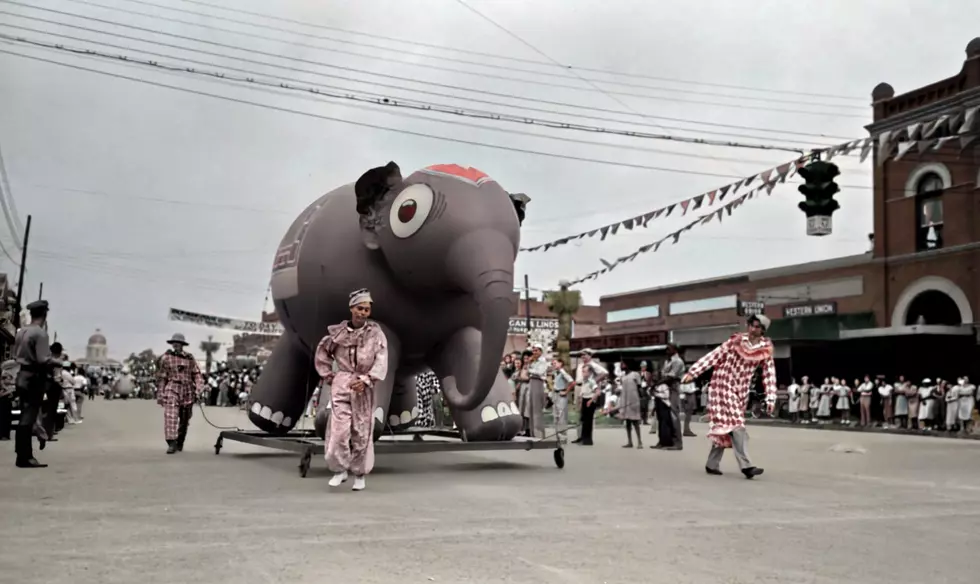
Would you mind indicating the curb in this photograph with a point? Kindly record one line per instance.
(839, 428)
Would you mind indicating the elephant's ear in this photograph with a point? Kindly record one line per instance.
(520, 201)
(374, 184)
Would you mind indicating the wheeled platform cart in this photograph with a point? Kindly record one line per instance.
(413, 441)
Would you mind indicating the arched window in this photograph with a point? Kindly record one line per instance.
(929, 183)
(929, 203)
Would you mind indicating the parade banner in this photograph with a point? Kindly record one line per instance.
(226, 323)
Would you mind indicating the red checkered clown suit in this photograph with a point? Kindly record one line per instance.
(734, 363)
(179, 382)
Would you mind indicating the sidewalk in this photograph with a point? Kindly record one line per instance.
(842, 428)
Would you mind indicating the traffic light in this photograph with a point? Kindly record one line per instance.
(819, 191)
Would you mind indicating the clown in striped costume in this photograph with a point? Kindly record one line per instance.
(734, 363)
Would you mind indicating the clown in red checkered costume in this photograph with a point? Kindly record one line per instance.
(734, 364)
(179, 382)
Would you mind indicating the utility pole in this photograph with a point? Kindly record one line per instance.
(527, 305)
(20, 281)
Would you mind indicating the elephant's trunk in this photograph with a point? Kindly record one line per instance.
(482, 263)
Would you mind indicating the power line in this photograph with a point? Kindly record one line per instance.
(518, 59)
(432, 108)
(372, 126)
(400, 87)
(410, 63)
(424, 55)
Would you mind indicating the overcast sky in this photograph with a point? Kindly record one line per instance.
(145, 197)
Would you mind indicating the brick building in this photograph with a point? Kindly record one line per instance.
(907, 306)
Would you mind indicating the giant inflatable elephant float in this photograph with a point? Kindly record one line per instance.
(437, 251)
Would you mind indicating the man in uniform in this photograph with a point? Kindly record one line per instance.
(33, 354)
(673, 371)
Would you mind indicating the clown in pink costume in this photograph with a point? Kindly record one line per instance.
(734, 364)
(351, 359)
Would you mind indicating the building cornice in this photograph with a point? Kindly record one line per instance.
(964, 99)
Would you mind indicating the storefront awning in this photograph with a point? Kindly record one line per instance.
(903, 331)
(829, 327)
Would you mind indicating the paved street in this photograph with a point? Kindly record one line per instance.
(114, 508)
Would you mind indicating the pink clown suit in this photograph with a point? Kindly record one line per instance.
(359, 354)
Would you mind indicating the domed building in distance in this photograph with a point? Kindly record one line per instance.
(97, 354)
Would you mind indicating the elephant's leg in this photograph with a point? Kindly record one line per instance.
(278, 398)
(404, 408)
(383, 389)
(497, 417)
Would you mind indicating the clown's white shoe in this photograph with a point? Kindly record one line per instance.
(359, 484)
(338, 479)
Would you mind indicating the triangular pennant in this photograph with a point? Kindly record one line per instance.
(765, 176)
(724, 191)
(670, 209)
(884, 146)
(720, 213)
(676, 235)
(935, 126)
(684, 205)
(943, 141)
(593, 232)
(656, 246)
(737, 186)
(632, 256)
(706, 219)
(846, 148)
(647, 218)
(729, 207)
(604, 231)
(628, 224)
(711, 197)
(646, 248)
(782, 171)
(866, 148)
(770, 187)
(969, 120)
(605, 263)
(925, 144)
(914, 131)
(697, 202)
(903, 149)
(749, 180)
(614, 229)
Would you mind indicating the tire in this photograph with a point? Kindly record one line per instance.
(560, 458)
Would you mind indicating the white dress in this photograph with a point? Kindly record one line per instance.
(925, 404)
(823, 410)
(843, 402)
(968, 400)
(952, 406)
(794, 398)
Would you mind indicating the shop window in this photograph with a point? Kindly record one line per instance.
(929, 212)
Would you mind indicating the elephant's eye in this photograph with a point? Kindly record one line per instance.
(410, 209)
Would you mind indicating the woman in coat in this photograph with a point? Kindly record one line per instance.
(629, 408)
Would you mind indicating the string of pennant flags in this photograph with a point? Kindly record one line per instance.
(961, 126)
(675, 236)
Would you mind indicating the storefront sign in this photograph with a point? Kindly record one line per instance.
(812, 309)
(518, 325)
(751, 307)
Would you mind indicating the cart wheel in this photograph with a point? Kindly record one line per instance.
(218, 445)
(304, 464)
(560, 458)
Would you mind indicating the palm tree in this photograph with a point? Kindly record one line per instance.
(564, 303)
(209, 348)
